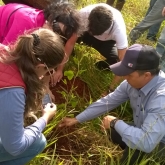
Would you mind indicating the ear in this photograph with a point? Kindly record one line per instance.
(39, 66)
(147, 75)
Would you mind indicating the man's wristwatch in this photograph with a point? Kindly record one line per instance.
(113, 122)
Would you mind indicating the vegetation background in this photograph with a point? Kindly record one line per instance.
(86, 144)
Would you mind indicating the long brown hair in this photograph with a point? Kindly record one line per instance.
(45, 45)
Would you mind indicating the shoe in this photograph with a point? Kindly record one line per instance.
(134, 35)
(102, 65)
(153, 39)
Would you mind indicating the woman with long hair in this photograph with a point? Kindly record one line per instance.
(62, 18)
(22, 67)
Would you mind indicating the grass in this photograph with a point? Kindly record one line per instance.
(86, 144)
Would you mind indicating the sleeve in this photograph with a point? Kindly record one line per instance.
(14, 137)
(120, 33)
(105, 104)
(152, 130)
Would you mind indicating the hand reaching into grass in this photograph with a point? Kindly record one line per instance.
(57, 77)
(67, 122)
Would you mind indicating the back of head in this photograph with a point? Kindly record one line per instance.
(100, 19)
(64, 13)
(41, 47)
(43, 44)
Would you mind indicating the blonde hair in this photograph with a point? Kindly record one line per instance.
(43, 44)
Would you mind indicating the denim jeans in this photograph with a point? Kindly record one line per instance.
(25, 157)
(160, 48)
(152, 18)
(153, 30)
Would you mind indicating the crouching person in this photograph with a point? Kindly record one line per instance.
(144, 87)
(22, 91)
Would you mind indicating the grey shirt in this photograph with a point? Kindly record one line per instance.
(148, 106)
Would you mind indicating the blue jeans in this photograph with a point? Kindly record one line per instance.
(152, 18)
(160, 48)
(25, 157)
(153, 30)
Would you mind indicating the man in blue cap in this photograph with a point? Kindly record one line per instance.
(144, 87)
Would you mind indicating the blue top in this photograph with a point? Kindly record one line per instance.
(13, 136)
(148, 105)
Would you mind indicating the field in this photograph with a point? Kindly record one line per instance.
(83, 83)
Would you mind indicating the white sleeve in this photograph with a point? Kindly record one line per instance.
(120, 34)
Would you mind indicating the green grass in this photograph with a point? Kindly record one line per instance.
(87, 144)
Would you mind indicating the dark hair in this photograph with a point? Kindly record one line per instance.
(100, 19)
(64, 13)
(43, 44)
(152, 71)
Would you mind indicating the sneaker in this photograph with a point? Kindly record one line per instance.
(102, 65)
(134, 35)
(153, 39)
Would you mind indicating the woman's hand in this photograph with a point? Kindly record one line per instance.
(57, 76)
(49, 111)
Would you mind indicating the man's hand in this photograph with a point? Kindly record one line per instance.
(67, 122)
(163, 12)
(106, 122)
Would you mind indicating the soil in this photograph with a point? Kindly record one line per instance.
(65, 143)
(76, 86)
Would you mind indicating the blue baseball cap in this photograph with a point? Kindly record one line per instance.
(137, 57)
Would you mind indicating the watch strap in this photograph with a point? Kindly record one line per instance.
(113, 122)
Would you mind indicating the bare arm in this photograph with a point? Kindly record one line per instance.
(121, 53)
(68, 50)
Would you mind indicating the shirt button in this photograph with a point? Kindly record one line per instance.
(139, 95)
(136, 115)
(138, 105)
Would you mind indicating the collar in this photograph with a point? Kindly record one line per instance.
(150, 85)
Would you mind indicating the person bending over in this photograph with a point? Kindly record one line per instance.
(144, 87)
(61, 18)
(21, 91)
(106, 32)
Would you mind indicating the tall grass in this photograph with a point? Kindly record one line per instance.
(87, 145)
(91, 146)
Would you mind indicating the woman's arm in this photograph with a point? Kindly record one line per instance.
(68, 50)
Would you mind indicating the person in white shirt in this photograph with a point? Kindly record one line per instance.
(106, 32)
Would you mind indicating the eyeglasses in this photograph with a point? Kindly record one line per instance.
(49, 72)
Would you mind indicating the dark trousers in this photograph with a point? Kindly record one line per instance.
(133, 157)
(105, 48)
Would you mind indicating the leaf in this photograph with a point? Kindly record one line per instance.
(69, 74)
(65, 82)
(74, 103)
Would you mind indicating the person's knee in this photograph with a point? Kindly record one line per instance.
(39, 144)
(42, 143)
